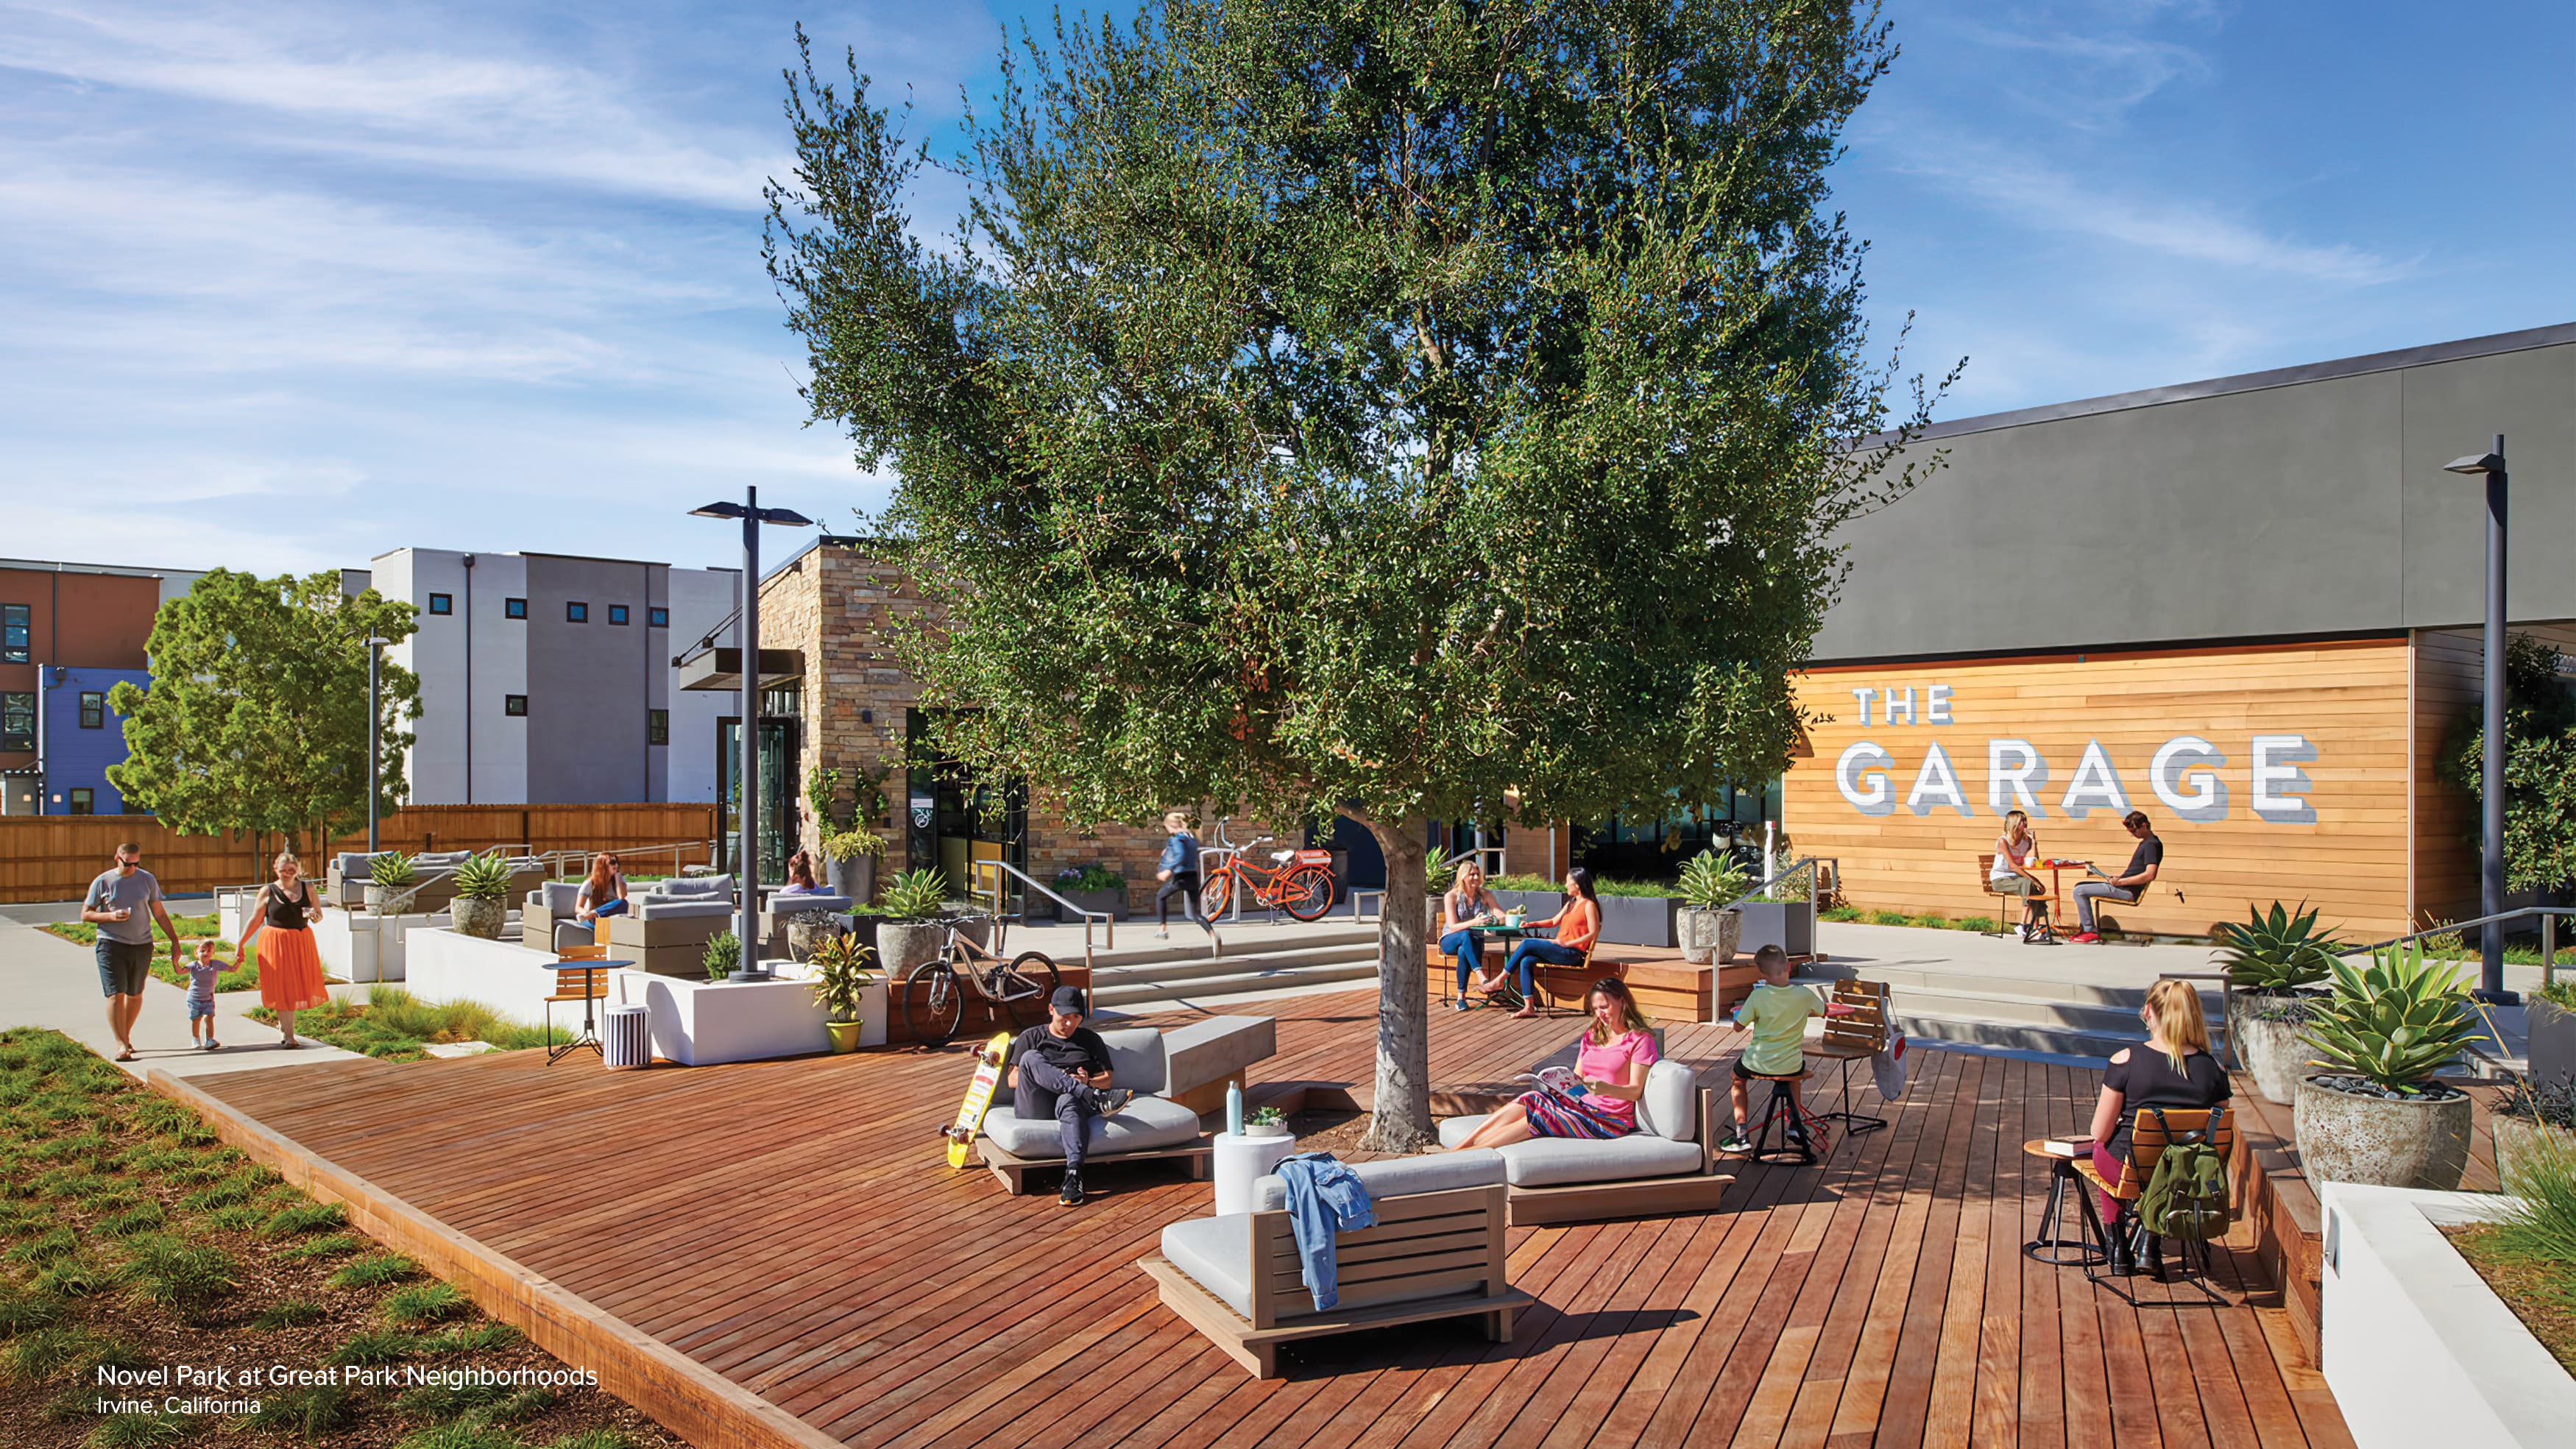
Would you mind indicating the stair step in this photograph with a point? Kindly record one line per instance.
(2015, 1036)
(1231, 963)
(2018, 1008)
(1236, 983)
(1194, 946)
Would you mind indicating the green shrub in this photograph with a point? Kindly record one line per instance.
(1980, 924)
(182, 1278)
(74, 1277)
(1439, 871)
(311, 1413)
(723, 955)
(1712, 879)
(372, 1346)
(56, 1243)
(1890, 918)
(25, 1312)
(915, 895)
(374, 1270)
(484, 1337)
(392, 870)
(1094, 877)
(424, 1303)
(2278, 953)
(2539, 1227)
(139, 1431)
(241, 1217)
(136, 1220)
(311, 1217)
(290, 1313)
(327, 1247)
(483, 878)
(2394, 1023)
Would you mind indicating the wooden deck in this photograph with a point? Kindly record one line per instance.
(776, 1253)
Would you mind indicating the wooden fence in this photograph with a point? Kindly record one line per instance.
(54, 857)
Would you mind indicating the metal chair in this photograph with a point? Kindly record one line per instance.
(1860, 1035)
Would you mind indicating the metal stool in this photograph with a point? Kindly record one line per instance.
(2048, 1247)
(1782, 1111)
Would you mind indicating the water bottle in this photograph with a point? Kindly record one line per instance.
(1234, 1109)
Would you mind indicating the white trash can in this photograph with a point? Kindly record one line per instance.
(626, 1038)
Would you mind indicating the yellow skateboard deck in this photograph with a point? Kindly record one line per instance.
(979, 1096)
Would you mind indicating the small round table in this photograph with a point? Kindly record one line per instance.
(2048, 1247)
(1243, 1161)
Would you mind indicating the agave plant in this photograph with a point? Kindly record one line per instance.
(390, 870)
(1712, 880)
(916, 895)
(2393, 1023)
(1439, 871)
(483, 878)
(2275, 954)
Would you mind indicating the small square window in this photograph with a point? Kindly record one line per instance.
(617, 613)
(442, 603)
(515, 705)
(514, 608)
(18, 721)
(83, 802)
(657, 618)
(576, 612)
(93, 707)
(657, 726)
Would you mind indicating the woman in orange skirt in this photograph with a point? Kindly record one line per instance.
(290, 969)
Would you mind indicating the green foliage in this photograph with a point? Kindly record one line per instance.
(1093, 877)
(313, 1413)
(375, 1270)
(394, 1025)
(485, 1337)
(723, 955)
(333, 1246)
(461, 1434)
(483, 878)
(373, 1346)
(2277, 953)
(1711, 879)
(822, 789)
(2560, 993)
(304, 1217)
(139, 1219)
(424, 1303)
(257, 716)
(850, 844)
(1439, 871)
(140, 1431)
(45, 1247)
(74, 1277)
(2539, 766)
(2393, 1023)
(290, 1313)
(21, 1312)
(393, 870)
(182, 1278)
(2549, 1103)
(840, 973)
(915, 895)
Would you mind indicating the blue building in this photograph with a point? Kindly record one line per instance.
(82, 737)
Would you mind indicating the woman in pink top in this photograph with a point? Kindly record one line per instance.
(1617, 1048)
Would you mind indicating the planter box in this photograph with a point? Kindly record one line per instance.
(2417, 1349)
(1112, 901)
(701, 1023)
(2553, 1042)
(503, 975)
(1789, 925)
(1638, 920)
(2350, 1138)
(358, 947)
(1539, 904)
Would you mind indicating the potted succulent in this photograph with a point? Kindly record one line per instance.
(723, 956)
(850, 861)
(1710, 881)
(1439, 873)
(482, 903)
(1265, 1122)
(2552, 1024)
(853, 997)
(389, 878)
(2532, 1119)
(1091, 888)
(2375, 1115)
(911, 931)
(2274, 963)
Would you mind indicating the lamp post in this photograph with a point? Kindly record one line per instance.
(747, 848)
(2494, 747)
(375, 724)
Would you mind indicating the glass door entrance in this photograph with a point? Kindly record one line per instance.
(776, 789)
(958, 818)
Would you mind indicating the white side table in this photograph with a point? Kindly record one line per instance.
(1243, 1161)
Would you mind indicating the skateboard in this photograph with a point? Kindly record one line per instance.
(979, 1096)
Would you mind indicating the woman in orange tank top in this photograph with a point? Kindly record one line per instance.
(1578, 925)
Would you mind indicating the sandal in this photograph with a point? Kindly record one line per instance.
(291, 1043)
(126, 1055)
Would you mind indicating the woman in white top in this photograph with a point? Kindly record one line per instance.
(2015, 850)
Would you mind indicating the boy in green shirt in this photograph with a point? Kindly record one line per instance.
(1776, 1013)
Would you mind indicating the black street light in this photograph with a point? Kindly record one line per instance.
(2494, 748)
(375, 725)
(747, 890)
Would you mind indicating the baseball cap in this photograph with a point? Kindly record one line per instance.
(1067, 999)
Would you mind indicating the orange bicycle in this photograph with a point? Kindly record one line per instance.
(1299, 882)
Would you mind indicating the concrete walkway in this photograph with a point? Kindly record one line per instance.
(50, 982)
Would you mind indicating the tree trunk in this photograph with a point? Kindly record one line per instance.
(1400, 1117)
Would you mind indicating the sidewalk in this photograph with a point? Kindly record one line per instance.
(47, 981)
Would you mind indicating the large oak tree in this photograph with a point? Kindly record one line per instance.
(1395, 408)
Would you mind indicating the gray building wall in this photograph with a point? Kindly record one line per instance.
(2306, 501)
(591, 684)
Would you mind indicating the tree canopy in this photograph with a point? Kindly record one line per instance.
(257, 715)
(1391, 408)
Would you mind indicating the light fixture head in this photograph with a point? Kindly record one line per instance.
(2481, 463)
(375, 643)
(718, 510)
(787, 516)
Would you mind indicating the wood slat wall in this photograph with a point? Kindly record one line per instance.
(2443, 837)
(2350, 699)
(54, 857)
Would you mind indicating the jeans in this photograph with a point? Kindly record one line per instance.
(2094, 890)
(611, 908)
(1047, 1090)
(1324, 1197)
(1185, 884)
(1533, 952)
(1468, 948)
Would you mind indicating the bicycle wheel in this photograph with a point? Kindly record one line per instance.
(1031, 976)
(932, 1004)
(1307, 893)
(1216, 894)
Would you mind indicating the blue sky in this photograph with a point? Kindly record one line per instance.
(290, 285)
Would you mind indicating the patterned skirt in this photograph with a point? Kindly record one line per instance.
(290, 970)
(1551, 1115)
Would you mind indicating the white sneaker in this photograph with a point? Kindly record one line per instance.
(1162, 935)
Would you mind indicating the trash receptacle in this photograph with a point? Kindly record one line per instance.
(626, 1038)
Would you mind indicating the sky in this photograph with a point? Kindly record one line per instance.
(286, 285)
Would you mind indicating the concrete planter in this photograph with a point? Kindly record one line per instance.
(1639, 920)
(1789, 925)
(2553, 1042)
(2518, 1139)
(902, 945)
(853, 879)
(480, 917)
(2346, 1137)
(807, 930)
(2272, 1051)
(1112, 901)
(1708, 936)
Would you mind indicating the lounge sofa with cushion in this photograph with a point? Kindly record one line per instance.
(1667, 1165)
(1436, 1252)
(1152, 1125)
(668, 923)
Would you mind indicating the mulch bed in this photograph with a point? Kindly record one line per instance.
(2543, 1298)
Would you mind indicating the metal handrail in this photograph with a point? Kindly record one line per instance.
(977, 873)
(1813, 866)
(2548, 917)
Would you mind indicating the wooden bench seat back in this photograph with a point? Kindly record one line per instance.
(1425, 1245)
(1864, 1032)
(2147, 1138)
(580, 985)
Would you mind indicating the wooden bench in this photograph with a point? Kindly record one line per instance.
(1431, 1256)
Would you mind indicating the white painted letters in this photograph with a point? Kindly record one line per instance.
(1864, 696)
(2096, 786)
(2280, 786)
(1906, 703)
(1937, 784)
(2025, 773)
(1861, 775)
(2189, 761)
(1937, 705)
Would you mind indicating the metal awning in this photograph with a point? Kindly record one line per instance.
(721, 668)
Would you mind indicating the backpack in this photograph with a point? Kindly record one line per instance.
(2186, 1196)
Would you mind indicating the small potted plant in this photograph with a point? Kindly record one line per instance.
(1710, 881)
(1265, 1122)
(482, 903)
(911, 932)
(723, 955)
(2274, 962)
(850, 861)
(2375, 1115)
(389, 878)
(853, 997)
(2532, 1119)
(1093, 888)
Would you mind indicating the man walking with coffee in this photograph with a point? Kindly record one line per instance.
(116, 904)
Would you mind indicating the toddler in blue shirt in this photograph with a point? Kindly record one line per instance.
(201, 997)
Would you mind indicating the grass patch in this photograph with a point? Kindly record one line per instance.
(331, 1247)
(373, 1346)
(422, 1304)
(309, 1217)
(181, 1278)
(309, 1413)
(461, 1434)
(27, 1312)
(290, 1313)
(141, 1219)
(375, 1270)
(241, 1217)
(74, 1277)
(394, 1025)
(484, 1337)
(45, 1248)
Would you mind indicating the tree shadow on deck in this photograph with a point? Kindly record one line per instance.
(1420, 1345)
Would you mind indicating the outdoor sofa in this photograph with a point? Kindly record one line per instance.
(1436, 1252)
(1667, 1165)
(665, 929)
(1162, 1068)
(433, 873)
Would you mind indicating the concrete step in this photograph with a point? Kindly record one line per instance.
(1137, 947)
(1985, 1031)
(2020, 1008)
(1233, 962)
(2019, 1012)
(1238, 981)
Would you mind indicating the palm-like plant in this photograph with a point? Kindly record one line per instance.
(2393, 1023)
(483, 878)
(1712, 880)
(916, 895)
(390, 870)
(1439, 870)
(841, 976)
(2275, 954)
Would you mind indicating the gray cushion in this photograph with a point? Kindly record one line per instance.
(1135, 1059)
(674, 910)
(1402, 1176)
(1670, 1109)
(1215, 1252)
(1145, 1122)
(1554, 1161)
(439, 859)
(788, 905)
(353, 864)
(557, 897)
(694, 888)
